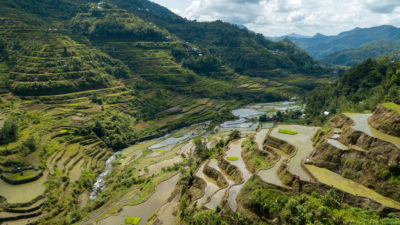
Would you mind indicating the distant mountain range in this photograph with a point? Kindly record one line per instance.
(320, 46)
(374, 49)
(289, 36)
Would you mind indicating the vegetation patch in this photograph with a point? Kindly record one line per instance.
(22, 176)
(232, 158)
(290, 132)
(132, 220)
(160, 151)
(255, 158)
(392, 106)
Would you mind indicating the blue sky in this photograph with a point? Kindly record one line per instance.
(280, 17)
(181, 5)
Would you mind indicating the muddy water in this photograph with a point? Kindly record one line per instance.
(169, 141)
(271, 175)
(361, 124)
(254, 111)
(260, 137)
(333, 179)
(24, 192)
(217, 197)
(147, 208)
(302, 141)
(235, 150)
(337, 144)
(210, 189)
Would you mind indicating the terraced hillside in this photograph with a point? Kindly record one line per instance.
(80, 80)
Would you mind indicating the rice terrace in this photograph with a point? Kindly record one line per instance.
(199, 112)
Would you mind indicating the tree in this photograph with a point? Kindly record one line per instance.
(9, 132)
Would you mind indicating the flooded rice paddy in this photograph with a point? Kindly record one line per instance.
(147, 208)
(361, 124)
(302, 141)
(333, 179)
(23, 193)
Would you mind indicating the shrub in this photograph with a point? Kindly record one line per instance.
(9, 132)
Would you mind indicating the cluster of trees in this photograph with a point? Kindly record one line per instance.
(311, 209)
(3, 51)
(207, 64)
(204, 153)
(107, 24)
(282, 116)
(9, 132)
(118, 130)
(147, 108)
(363, 87)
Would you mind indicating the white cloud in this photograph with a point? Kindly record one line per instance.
(279, 17)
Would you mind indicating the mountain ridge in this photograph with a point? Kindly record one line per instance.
(321, 45)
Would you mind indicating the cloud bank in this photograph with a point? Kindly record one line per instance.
(307, 17)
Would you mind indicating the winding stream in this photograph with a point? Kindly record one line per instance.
(100, 184)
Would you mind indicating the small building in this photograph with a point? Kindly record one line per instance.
(326, 113)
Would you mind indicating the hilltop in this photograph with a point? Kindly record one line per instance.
(320, 46)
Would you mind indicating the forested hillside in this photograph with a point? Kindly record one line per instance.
(374, 50)
(363, 87)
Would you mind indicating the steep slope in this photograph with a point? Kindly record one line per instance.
(364, 158)
(386, 118)
(361, 88)
(79, 80)
(320, 45)
(355, 56)
(246, 52)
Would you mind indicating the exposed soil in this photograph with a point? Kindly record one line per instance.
(386, 121)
